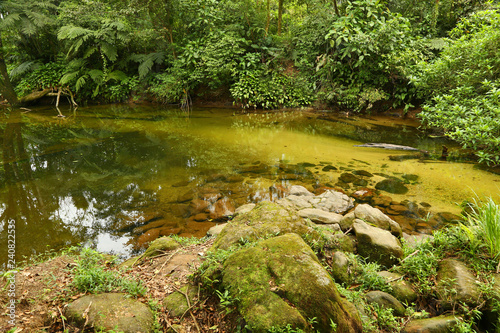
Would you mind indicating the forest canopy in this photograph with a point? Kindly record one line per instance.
(360, 55)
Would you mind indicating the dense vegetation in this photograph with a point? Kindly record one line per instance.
(352, 54)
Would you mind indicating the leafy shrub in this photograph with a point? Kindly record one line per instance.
(43, 76)
(90, 276)
(272, 91)
(465, 87)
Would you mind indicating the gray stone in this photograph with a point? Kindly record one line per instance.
(386, 301)
(440, 324)
(295, 201)
(456, 283)
(332, 201)
(374, 216)
(400, 288)
(300, 191)
(377, 245)
(244, 209)
(110, 311)
(320, 216)
(339, 268)
(414, 240)
(216, 230)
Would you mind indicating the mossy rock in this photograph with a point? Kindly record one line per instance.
(176, 303)
(400, 288)
(280, 282)
(267, 219)
(160, 245)
(110, 311)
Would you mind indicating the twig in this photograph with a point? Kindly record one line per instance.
(85, 315)
(170, 326)
(348, 231)
(411, 255)
(189, 309)
(62, 318)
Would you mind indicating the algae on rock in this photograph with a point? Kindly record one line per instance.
(265, 220)
(280, 281)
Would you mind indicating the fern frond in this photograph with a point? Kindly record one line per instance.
(80, 82)
(90, 51)
(72, 32)
(117, 75)
(68, 77)
(96, 75)
(148, 61)
(24, 68)
(109, 51)
(10, 20)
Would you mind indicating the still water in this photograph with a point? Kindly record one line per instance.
(112, 176)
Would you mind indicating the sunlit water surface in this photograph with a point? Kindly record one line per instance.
(101, 173)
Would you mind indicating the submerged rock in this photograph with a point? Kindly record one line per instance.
(280, 282)
(110, 311)
(392, 185)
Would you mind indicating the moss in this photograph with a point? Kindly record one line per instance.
(280, 281)
(267, 219)
(160, 245)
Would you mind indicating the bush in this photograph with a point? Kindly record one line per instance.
(464, 86)
(271, 91)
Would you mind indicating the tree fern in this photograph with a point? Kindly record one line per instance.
(146, 61)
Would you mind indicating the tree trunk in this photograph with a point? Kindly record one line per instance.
(280, 15)
(5, 85)
(336, 8)
(268, 19)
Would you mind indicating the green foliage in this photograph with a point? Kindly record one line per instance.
(255, 89)
(90, 276)
(465, 87)
(43, 76)
(355, 66)
(483, 227)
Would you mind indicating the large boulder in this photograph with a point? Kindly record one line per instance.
(456, 284)
(377, 245)
(266, 219)
(373, 216)
(110, 311)
(281, 282)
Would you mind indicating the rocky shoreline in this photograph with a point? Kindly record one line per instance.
(290, 266)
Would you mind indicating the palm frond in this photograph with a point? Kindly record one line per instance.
(80, 82)
(72, 32)
(69, 77)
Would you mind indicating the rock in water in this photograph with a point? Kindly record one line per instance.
(392, 185)
(280, 282)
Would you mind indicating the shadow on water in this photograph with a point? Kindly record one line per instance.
(117, 177)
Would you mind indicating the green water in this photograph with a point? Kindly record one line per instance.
(97, 175)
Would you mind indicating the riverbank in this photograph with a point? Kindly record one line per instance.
(386, 280)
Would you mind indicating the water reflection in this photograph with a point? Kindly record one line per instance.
(117, 177)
